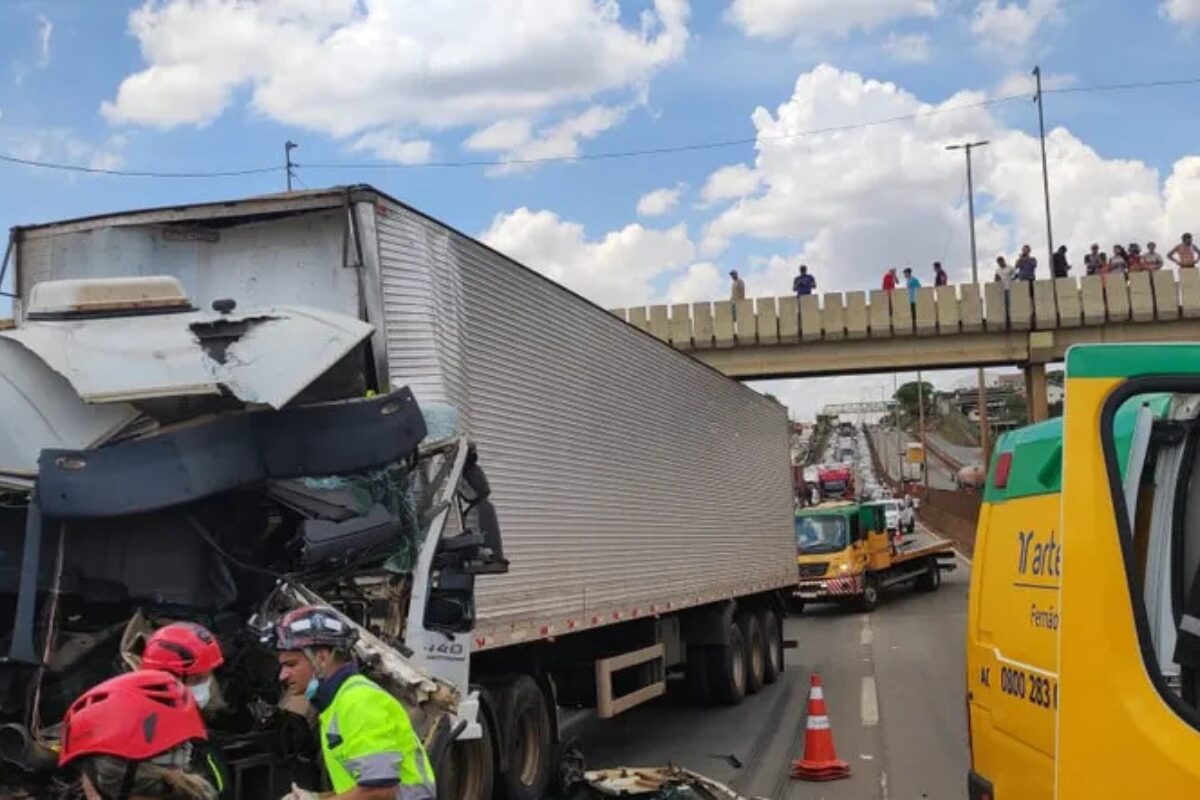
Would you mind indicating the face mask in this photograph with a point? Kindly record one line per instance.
(202, 692)
(310, 691)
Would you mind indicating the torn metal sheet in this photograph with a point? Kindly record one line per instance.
(41, 411)
(660, 783)
(265, 357)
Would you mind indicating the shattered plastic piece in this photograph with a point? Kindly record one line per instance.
(658, 783)
(441, 421)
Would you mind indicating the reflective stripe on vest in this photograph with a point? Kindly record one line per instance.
(384, 749)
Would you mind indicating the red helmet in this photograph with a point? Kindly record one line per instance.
(134, 716)
(183, 649)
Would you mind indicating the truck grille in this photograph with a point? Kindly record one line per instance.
(813, 570)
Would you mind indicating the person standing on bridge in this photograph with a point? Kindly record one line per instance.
(1004, 277)
(737, 287)
(1026, 265)
(912, 283)
(889, 280)
(1151, 260)
(940, 278)
(804, 283)
(1091, 262)
(737, 291)
(1060, 267)
(1184, 254)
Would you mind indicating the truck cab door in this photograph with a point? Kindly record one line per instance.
(1125, 725)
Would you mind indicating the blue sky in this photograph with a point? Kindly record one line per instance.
(210, 85)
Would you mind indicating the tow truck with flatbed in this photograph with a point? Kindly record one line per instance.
(845, 554)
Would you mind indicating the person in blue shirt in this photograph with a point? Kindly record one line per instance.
(804, 283)
(913, 283)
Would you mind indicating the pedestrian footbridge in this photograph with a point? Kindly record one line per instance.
(948, 326)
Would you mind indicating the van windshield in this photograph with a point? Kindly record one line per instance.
(825, 534)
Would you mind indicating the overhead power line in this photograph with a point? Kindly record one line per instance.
(126, 173)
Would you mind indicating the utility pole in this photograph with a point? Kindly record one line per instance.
(984, 425)
(1037, 74)
(288, 147)
(921, 432)
(896, 422)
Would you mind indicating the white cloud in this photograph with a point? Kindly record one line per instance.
(560, 140)
(1180, 11)
(1017, 83)
(45, 31)
(659, 201)
(728, 183)
(698, 283)
(776, 19)
(1008, 27)
(910, 48)
(62, 146)
(615, 270)
(348, 67)
(503, 134)
(390, 147)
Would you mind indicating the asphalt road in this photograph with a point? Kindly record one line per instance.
(894, 683)
(940, 475)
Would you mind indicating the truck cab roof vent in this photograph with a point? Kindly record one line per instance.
(92, 297)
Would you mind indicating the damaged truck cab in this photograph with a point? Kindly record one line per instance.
(166, 500)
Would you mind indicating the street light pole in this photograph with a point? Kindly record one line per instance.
(1037, 75)
(288, 147)
(984, 425)
(921, 429)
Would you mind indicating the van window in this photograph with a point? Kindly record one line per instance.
(1151, 443)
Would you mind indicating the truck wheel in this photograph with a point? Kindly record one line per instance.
(727, 669)
(756, 651)
(870, 596)
(931, 580)
(467, 770)
(530, 759)
(769, 623)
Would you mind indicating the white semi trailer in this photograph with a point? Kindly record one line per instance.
(644, 500)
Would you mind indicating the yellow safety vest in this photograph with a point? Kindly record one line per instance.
(367, 737)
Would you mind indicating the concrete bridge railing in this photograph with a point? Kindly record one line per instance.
(1047, 305)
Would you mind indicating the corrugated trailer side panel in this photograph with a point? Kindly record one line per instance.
(626, 475)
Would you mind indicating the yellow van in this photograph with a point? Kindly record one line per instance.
(1083, 626)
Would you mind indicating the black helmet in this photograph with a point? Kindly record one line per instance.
(313, 626)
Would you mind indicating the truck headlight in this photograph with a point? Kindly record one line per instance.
(844, 568)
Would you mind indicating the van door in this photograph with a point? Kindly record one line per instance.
(1127, 715)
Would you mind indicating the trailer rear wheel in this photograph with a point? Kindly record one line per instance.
(932, 579)
(756, 651)
(774, 639)
(530, 744)
(467, 770)
(727, 669)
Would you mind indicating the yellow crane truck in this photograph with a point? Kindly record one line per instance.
(1083, 628)
(845, 554)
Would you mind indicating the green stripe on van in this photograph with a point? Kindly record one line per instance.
(1037, 451)
(1131, 360)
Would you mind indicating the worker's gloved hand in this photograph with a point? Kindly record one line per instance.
(300, 794)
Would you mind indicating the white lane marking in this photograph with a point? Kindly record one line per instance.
(869, 702)
(883, 787)
(867, 636)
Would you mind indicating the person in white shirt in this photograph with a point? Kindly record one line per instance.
(1151, 260)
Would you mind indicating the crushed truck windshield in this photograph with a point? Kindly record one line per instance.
(821, 534)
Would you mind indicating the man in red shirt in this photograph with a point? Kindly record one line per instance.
(889, 280)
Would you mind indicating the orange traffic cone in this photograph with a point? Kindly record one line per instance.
(820, 762)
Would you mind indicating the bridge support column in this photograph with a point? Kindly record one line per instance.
(1035, 392)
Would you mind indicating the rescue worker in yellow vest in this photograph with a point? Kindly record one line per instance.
(370, 749)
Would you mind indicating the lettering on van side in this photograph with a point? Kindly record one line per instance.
(1037, 558)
